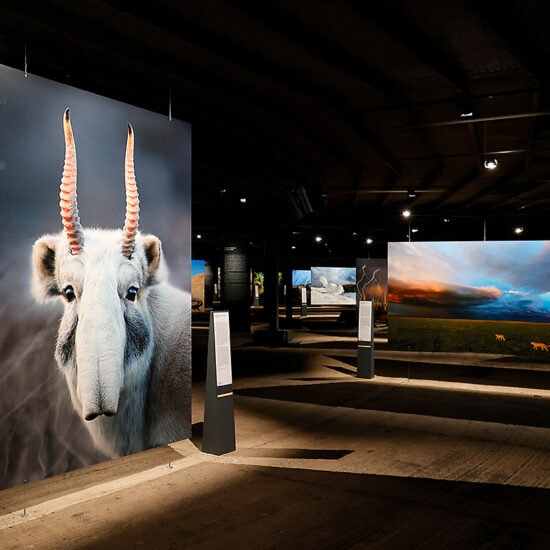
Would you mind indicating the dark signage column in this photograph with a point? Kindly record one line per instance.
(365, 341)
(219, 415)
(235, 293)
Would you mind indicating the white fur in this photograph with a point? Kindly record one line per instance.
(150, 397)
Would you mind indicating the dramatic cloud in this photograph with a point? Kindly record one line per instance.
(439, 294)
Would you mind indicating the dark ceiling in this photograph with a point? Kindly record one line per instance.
(325, 115)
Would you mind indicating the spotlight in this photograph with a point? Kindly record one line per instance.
(369, 240)
(318, 239)
(518, 230)
(465, 109)
(243, 199)
(414, 230)
(406, 213)
(411, 193)
(490, 163)
(199, 236)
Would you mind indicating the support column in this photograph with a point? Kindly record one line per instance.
(208, 284)
(274, 336)
(236, 285)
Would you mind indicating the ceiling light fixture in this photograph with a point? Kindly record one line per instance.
(518, 230)
(243, 199)
(411, 193)
(318, 239)
(490, 163)
(369, 240)
(406, 213)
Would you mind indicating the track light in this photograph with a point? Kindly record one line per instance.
(411, 193)
(490, 163)
(465, 108)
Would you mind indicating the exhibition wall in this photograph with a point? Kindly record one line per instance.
(41, 433)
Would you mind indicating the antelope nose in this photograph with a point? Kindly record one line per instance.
(94, 414)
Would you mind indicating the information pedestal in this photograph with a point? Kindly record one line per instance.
(365, 341)
(219, 417)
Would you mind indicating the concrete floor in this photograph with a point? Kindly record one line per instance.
(434, 452)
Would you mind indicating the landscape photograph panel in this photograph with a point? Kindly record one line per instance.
(333, 285)
(499, 291)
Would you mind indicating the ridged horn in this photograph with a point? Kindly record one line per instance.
(132, 199)
(67, 193)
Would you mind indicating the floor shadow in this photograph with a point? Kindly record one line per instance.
(343, 370)
(309, 454)
(469, 374)
(272, 507)
(326, 344)
(446, 403)
(196, 434)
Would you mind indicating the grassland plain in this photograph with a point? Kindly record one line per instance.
(467, 335)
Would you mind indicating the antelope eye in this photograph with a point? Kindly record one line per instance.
(69, 294)
(132, 293)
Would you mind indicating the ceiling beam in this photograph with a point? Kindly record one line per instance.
(506, 22)
(400, 29)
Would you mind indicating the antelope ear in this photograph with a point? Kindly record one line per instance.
(155, 267)
(44, 285)
(153, 251)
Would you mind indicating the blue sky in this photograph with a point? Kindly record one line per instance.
(197, 267)
(336, 275)
(301, 277)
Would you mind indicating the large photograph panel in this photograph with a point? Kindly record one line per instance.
(198, 271)
(42, 430)
(333, 286)
(372, 285)
(487, 297)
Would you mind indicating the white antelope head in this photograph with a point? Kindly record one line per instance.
(105, 339)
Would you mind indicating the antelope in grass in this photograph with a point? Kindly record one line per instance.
(123, 342)
(540, 346)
